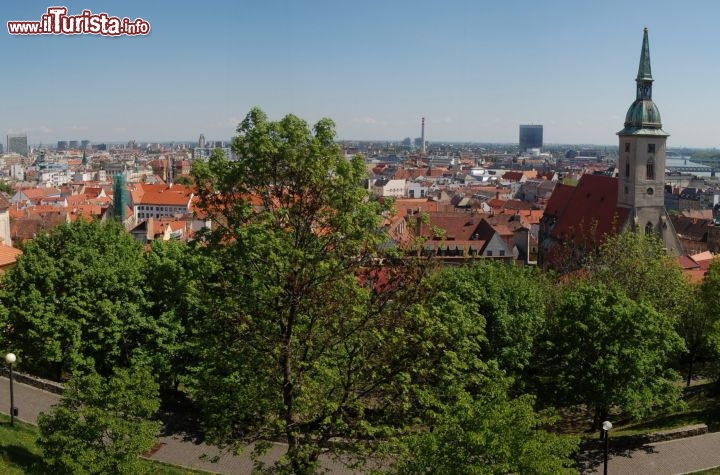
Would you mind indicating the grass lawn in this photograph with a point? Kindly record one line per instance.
(703, 407)
(20, 455)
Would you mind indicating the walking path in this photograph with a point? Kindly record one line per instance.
(178, 449)
(670, 457)
(661, 458)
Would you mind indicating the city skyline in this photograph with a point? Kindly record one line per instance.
(474, 70)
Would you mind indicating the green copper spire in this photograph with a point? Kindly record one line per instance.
(644, 78)
(643, 116)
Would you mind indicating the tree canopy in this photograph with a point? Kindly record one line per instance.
(102, 425)
(611, 351)
(506, 302)
(76, 300)
(313, 344)
(489, 433)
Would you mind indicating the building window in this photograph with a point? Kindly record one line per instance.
(651, 148)
(627, 146)
(650, 169)
(627, 168)
(648, 228)
(489, 253)
(502, 253)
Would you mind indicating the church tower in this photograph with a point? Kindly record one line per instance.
(641, 163)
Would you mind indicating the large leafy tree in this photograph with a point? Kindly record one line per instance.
(489, 433)
(76, 300)
(306, 337)
(174, 272)
(611, 351)
(641, 267)
(507, 302)
(699, 324)
(102, 425)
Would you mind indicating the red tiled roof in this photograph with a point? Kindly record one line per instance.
(590, 212)
(458, 226)
(560, 197)
(687, 263)
(512, 176)
(416, 204)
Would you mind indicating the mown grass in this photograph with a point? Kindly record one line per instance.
(703, 407)
(20, 455)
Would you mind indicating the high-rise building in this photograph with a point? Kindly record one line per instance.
(73, 145)
(201, 141)
(17, 143)
(84, 144)
(641, 177)
(62, 145)
(531, 136)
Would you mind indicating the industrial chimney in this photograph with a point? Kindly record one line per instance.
(422, 138)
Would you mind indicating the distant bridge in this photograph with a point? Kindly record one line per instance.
(692, 170)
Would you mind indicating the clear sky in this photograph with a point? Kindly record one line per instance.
(476, 69)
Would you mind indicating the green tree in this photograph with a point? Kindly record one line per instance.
(175, 271)
(699, 324)
(611, 351)
(508, 302)
(101, 426)
(6, 187)
(639, 265)
(489, 433)
(76, 300)
(184, 180)
(306, 337)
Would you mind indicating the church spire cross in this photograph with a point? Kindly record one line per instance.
(644, 78)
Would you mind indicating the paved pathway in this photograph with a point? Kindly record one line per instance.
(661, 458)
(178, 449)
(670, 457)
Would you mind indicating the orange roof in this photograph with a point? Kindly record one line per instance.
(459, 226)
(8, 255)
(165, 197)
(416, 204)
(36, 194)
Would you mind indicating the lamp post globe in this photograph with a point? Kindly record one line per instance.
(606, 426)
(10, 358)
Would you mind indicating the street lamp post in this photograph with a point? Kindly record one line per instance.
(10, 359)
(606, 426)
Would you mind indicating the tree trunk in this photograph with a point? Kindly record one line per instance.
(690, 370)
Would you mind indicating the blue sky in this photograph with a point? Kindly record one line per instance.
(476, 69)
